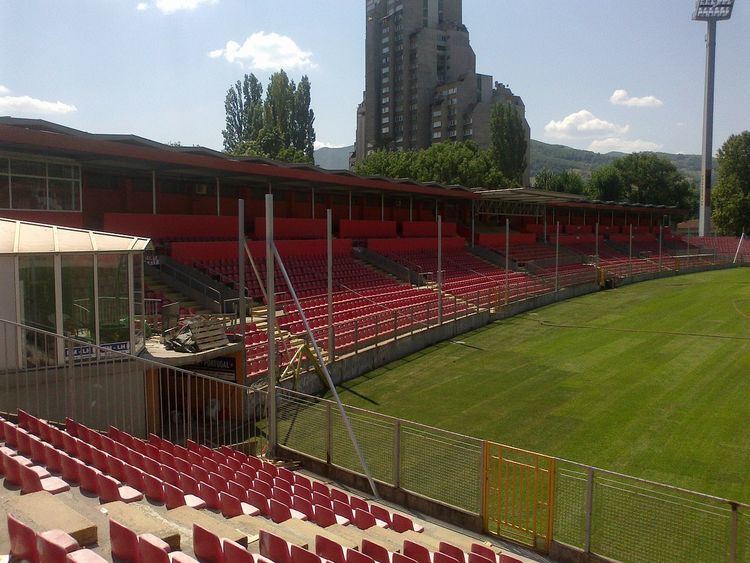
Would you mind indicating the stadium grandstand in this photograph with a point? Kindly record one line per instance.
(171, 317)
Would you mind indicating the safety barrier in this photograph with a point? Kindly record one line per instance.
(56, 377)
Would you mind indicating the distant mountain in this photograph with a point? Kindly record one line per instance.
(559, 157)
(543, 155)
(333, 158)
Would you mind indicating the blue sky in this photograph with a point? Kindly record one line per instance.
(161, 68)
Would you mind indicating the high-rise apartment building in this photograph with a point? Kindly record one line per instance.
(421, 84)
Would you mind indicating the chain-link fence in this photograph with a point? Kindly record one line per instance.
(432, 463)
(628, 519)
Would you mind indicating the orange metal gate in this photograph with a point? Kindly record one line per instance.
(518, 495)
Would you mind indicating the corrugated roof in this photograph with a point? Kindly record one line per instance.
(23, 237)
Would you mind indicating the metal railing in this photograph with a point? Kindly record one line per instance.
(192, 282)
(55, 377)
(436, 464)
(625, 518)
(523, 496)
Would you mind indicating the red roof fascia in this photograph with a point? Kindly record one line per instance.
(56, 141)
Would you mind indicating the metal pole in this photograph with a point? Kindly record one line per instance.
(507, 260)
(241, 303)
(271, 320)
(350, 205)
(472, 223)
(630, 252)
(589, 509)
(739, 245)
(153, 192)
(218, 197)
(733, 525)
(596, 244)
(557, 257)
(329, 235)
(326, 373)
(660, 243)
(704, 218)
(440, 268)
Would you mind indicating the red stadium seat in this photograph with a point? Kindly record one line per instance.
(300, 555)
(124, 542)
(484, 551)
(417, 552)
(22, 540)
(235, 553)
(232, 506)
(353, 556)
(110, 491)
(31, 483)
(476, 558)
(377, 552)
(452, 550)
(84, 556)
(153, 549)
(329, 549)
(274, 547)
(207, 545)
(54, 545)
(153, 488)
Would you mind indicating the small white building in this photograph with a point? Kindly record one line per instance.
(85, 285)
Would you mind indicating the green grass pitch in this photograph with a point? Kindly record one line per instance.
(652, 380)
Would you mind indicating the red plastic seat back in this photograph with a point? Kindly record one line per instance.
(452, 550)
(153, 549)
(207, 545)
(353, 556)
(22, 540)
(54, 545)
(400, 558)
(401, 523)
(87, 475)
(173, 496)
(324, 516)
(153, 488)
(124, 542)
(476, 558)
(377, 552)
(363, 520)
(109, 490)
(12, 469)
(235, 553)
(416, 551)
(274, 547)
(279, 511)
(300, 555)
(329, 549)
(209, 495)
(258, 501)
(484, 551)
(304, 506)
(445, 558)
(30, 481)
(505, 558)
(231, 506)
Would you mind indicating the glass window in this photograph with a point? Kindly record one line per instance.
(138, 295)
(3, 165)
(28, 167)
(62, 195)
(29, 193)
(79, 318)
(4, 191)
(114, 323)
(37, 300)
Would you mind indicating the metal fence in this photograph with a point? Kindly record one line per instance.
(629, 519)
(55, 377)
(442, 466)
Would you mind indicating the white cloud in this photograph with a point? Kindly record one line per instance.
(15, 105)
(622, 98)
(323, 145)
(172, 6)
(583, 125)
(266, 51)
(622, 145)
(4, 90)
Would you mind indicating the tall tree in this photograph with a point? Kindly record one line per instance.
(508, 141)
(279, 126)
(606, 184)
(566, 181)
(236, 118)
(303, 132)
(652, 179)
(731, 194)
(462, 163)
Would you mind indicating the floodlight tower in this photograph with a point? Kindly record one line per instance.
(709, 11)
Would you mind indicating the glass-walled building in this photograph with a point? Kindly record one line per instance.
(82, 284)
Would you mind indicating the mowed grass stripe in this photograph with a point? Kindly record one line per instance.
(668, 407)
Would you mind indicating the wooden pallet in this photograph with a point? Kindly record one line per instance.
(208, 333)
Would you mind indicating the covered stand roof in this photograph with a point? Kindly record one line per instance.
(22, 237)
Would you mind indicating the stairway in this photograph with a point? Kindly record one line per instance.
(154, 284)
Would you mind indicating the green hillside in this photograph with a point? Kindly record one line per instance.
(543, 155)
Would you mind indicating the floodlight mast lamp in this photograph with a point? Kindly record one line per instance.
(709, 11)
